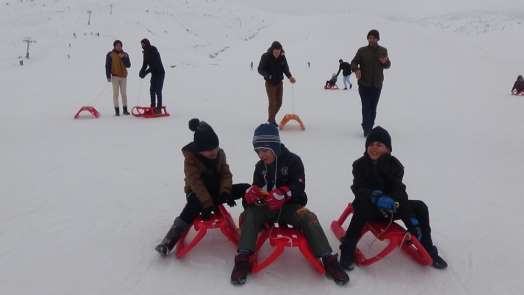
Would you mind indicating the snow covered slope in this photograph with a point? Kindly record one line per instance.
(84, 202)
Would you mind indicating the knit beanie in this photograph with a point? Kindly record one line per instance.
(381, 135)
(266, 137)
(374, 33)
(205, 138)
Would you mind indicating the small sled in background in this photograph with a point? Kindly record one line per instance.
(291, 117)
(394, 233)
(149, 112)
(331, 83)
(89, 109)
(221, 220)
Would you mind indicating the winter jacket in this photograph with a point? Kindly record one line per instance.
(152, 62)
(118, 70)
(345, 67)
(384, 174)
(518, 86)
(367, 61)
(273, 69)
(289, 172)
(206, 178)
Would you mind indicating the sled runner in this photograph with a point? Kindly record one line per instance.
(394, 233)
(89, 109)
(148, 112)
(518, 93)
(331, 87)
(281, 237)
(291, 117)
(221, 220)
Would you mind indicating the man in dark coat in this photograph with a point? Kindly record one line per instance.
(273, 65)
(380, 195)
(277, 195)
(345, 67)
(368, 65)
(153, 64)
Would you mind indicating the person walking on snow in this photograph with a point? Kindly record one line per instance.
(273, 65)
(117, 62)
(280, 175)
(153, 64)
(380, 195)
(345, 67)
(208, 183)
(518, 87)
(369, 64)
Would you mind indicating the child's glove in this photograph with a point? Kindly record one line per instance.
(208, 212)
(142, 74)
(252, 194)
(385, 202)
(277, 197)
(415, 227)
(226, 198)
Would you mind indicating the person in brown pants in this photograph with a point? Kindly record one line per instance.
(273, 65)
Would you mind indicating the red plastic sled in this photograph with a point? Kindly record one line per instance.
(148, 112)
(221, 220)
(89, 109)
(291, 117)
(394, 233)
(280, 238)
(334, 87)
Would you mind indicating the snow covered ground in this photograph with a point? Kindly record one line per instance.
(83, 202)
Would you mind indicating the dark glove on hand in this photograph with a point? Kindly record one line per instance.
(208, 212)
(142, 74)
(226, 198)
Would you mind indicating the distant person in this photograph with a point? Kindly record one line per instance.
(345, 67)
(117, 62)
(308, 64)
(273, 65)
(153, 64)
(251, 65)
(368, 65)
(518, 87)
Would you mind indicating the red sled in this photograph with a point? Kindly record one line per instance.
(221, 220)
(148, 112)
(89, 109)
(394, 233)
(330, 87)
(279, 238)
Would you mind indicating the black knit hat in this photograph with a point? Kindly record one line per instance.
(205, 138)
(374, 33)
(266, 137)
(381, 135)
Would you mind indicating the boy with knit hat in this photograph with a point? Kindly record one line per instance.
(280, 176)
(381, 195)
(208, 182)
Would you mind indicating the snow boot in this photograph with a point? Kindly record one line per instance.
(124, 111)
(347, 256)
(241, 269)
(334, 270)
(178, 228)
(117, 111)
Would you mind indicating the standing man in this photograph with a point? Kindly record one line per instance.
(369, 64)
(273, 66)
(153, 64)
(117, 62)
(345, 67)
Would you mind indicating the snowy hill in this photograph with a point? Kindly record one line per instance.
(84, 202)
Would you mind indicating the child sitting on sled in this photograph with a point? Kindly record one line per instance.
(518, 87)
(331, 82)
(208, 183)
(380, 195)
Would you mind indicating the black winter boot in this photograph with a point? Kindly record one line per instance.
(117, 111)
(334, 270)
(124, 111)
(241, 269)
(178, 228)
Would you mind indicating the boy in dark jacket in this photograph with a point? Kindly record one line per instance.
(381, 195)
(208, 183)
(153, 64)
(273, 65)
(280, 175)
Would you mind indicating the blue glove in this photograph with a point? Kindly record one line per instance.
(416, 228)
(385, 202)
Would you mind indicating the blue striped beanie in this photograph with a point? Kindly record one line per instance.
(266, 137)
